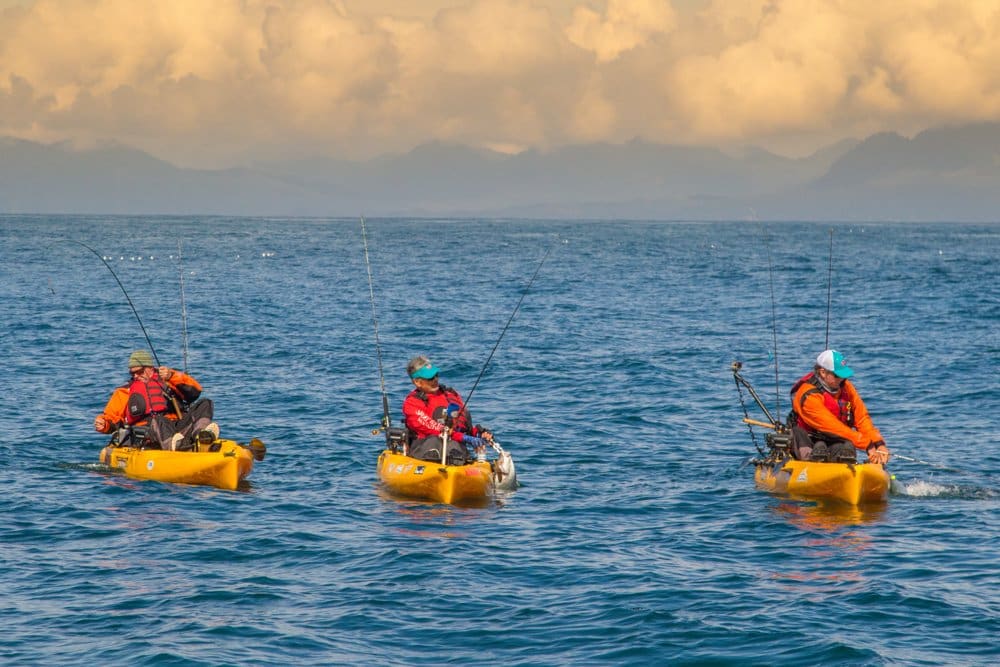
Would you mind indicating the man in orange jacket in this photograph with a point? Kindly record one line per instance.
(158, 403)
(831, 420)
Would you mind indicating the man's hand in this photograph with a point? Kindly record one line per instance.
(878, 453)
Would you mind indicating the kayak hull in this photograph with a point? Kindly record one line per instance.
(855, 484)
(223, 469)
(447, 484)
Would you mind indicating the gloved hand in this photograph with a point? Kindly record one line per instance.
(472, 440)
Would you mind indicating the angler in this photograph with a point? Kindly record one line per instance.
(813, 455)
(829, 421)
(430, 409)
(430, 457)
(158, 407)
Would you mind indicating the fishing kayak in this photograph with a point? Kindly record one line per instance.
(448, 484)
(222, 464)
(852, 483)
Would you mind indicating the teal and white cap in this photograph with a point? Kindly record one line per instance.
(833, 361)
(421, 367)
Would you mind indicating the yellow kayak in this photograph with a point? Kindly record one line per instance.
(415, 478)
(852, 483)
(222, 464)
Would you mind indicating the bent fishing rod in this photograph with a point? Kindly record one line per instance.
(135, 312)
(127, 297)
(506, 326)
(386, 419)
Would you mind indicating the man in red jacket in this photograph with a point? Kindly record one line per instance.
(431, 408)
(831, 420)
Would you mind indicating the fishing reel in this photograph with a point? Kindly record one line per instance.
(780, 443)
(396, 437)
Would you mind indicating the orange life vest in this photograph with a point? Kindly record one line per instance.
(837, 404)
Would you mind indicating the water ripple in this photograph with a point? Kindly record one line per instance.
(636, 537)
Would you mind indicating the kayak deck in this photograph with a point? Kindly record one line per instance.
(427, 480)
(852, 483)
(223, 468)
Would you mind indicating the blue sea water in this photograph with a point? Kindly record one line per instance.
(637, 536)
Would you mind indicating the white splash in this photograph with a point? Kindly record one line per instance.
(922, 489)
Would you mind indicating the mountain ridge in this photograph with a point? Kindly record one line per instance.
(942, 173)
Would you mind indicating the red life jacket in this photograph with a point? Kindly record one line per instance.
(146, 399)
(437, 406)
(837, 404)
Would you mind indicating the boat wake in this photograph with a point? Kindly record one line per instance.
(925, 489)
(88, 466)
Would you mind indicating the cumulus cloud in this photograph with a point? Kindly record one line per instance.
(624, 25)
(210, 84)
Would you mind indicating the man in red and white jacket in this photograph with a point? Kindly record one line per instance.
(429, 409)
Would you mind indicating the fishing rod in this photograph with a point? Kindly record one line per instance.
(184, 328)
(926, 463)
(774, 326)
(386, 420)
(742, 382)
(829, 292)
(127, 297)
(511, 319)
(135, 312)
(780, 430)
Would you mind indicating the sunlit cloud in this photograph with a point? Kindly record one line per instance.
(210, 84)
(624, 25)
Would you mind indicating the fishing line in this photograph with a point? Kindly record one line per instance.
(511, 319)
(127, 297)
(774, 324)
(829, 292)
(386, 421)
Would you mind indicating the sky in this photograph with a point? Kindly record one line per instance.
(231, 82)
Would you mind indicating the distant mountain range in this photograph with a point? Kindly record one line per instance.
(942, 174)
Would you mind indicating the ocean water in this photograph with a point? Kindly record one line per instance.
(637, 536)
